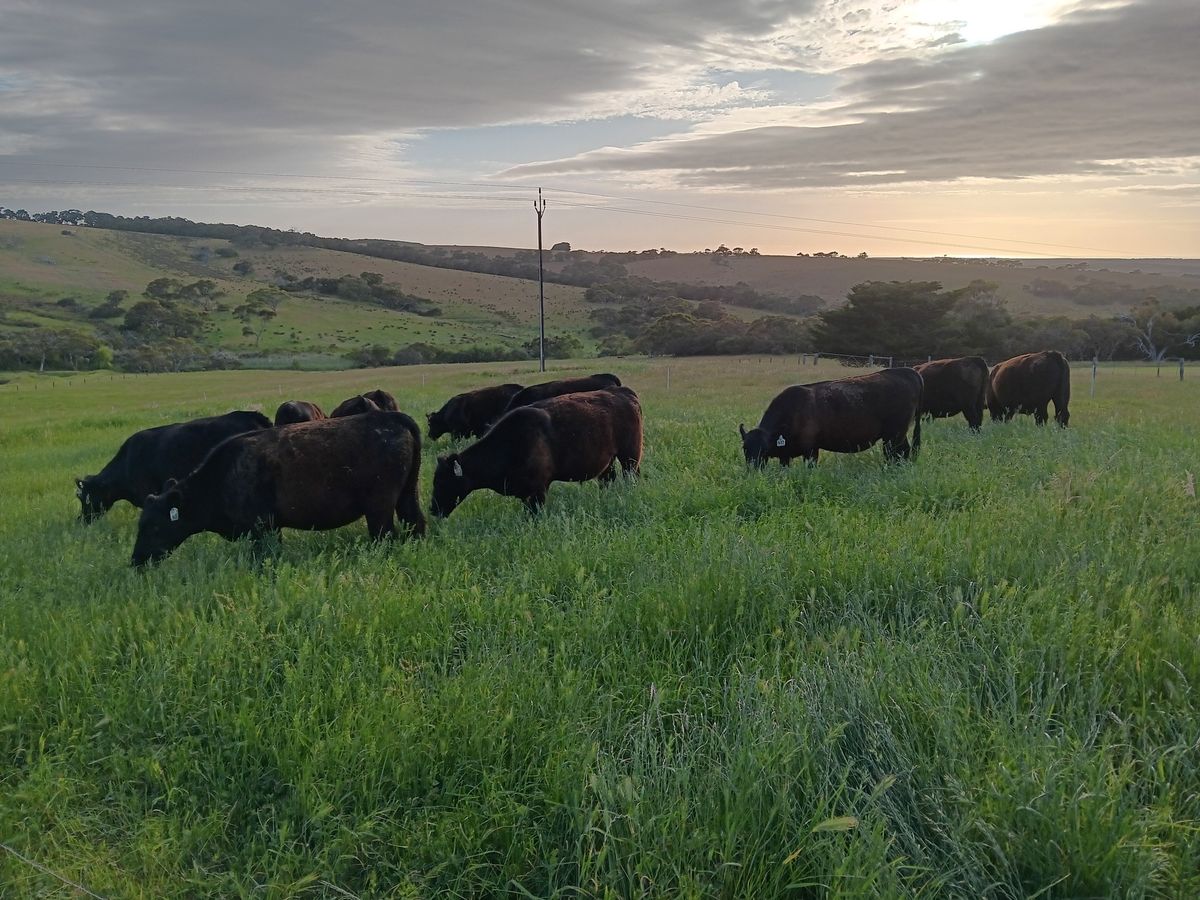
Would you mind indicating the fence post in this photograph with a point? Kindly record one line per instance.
(1181, 368)
(871, 360)
(668, 378)
(803, 358)
(816, 358)
(1158, 370)
(1095, 362)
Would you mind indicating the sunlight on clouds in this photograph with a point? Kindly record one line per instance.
(979, 21)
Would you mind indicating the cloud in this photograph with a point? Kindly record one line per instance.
(230, 82)
(1103, 92)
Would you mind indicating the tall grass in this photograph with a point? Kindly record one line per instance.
(973, 675)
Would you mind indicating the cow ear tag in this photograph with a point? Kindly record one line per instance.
(780, 442)
(458, 469)
(174, 513)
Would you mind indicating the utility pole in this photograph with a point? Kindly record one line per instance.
(539, 206)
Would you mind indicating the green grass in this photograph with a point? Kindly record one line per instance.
(971, 676)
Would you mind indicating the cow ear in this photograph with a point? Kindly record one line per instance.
(169, 483)
(742, 430)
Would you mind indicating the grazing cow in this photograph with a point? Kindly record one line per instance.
(383, 400)
(548, 389)
(355, 406)
(148, 458)
(954, 386)
(315, 475)
(470, 414)
(1026, 384)
(573, 437)
(368, 402)
(843, 416)
(292, 411)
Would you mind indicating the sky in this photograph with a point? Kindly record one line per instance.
(895, 127)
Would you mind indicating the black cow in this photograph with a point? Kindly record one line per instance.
(292, 411)
(148, 458)
(954, 386)
(470, 414)
(574, 437)
(844, 416)
(368, 402)
(1027, 384)
(314, 475)
(548, 389)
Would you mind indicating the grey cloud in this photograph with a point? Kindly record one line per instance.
(132, 75)
(1076, 98)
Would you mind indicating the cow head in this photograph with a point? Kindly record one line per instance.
(163, 526)
(437, 424)
(451, 484)
(756, 446)
(94, 500)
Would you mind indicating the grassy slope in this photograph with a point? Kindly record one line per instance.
(477, 309)
(680, 687)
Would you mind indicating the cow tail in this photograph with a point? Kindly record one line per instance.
(1064, 385)
(916, 437)
(410, 500)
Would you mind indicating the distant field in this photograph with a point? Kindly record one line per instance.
(969, 676)
(832, 279)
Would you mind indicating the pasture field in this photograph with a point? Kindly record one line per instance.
(973, 675)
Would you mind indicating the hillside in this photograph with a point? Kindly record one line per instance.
(41, 266)
(832, 278)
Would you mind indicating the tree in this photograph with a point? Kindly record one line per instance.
(1158, 330)
(562, 246)
(907, 319)
(259, 308)
(158, 320)
(163, 289)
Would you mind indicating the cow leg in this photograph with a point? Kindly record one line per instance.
(609, 475)
(535, 501)
(1061, 416)
(631, 465)
(974, 419)
(265, 541)
(896, 448)
(1041, 414)
(379, 522)
(408, 510)
(810, 456)
(785, 461)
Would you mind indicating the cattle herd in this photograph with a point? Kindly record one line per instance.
(240, 475)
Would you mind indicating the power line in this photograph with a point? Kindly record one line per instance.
(489, 186)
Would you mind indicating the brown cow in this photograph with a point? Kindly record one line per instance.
(548, 389)
(1027, 384)
(292, 411)
(314, 475)
(354, 406)
(368, 402)
(843, 416)
(470, 414)
(954, 386)
(573, 437)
